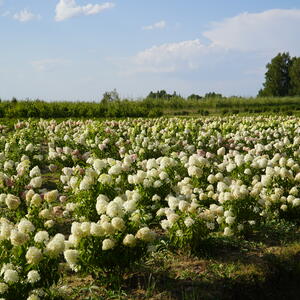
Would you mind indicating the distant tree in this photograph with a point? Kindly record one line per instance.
(111, 96)
(277, 78)
(294, 74)
(162, 94)
(151, 95)
(14, 100)
(213, 95)
(194, 97)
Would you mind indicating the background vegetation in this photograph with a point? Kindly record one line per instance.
(280, 94)
(148, 107)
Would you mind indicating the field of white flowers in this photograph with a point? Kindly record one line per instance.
(96, 197)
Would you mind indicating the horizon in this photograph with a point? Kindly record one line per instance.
(75, 50)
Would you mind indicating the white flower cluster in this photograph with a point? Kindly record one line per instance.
(119, 179)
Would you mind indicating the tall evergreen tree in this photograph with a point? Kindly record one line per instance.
(277, 77)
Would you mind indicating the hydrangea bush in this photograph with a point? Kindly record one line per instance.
(94, 197)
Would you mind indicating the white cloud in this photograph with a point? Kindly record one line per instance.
(66, 9)
(157, 25)
(25, 16)
(259, 36)
(274, 29)
(49, 64)
(173, 56)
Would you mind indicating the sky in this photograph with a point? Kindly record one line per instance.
(77, 49)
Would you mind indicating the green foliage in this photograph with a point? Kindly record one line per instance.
(213, 95)
(295, 77)
(187, 237)
(246, 213)
(154, 107)
(110, 96)
(155, 113)
(194, 97)
(161, 95)
(277, 76)
(104, 265)
(48, 269)
(282, 77)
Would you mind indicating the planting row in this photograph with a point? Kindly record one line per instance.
(97, 197)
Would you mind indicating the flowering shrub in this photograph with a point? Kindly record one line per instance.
(113, 244)
(29, 259)
(95, 195)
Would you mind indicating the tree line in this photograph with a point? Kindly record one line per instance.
(147, 107)
(282, 84)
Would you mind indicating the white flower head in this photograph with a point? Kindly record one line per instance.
(35, 172)
(108, 244)
(3, 288)
(12, 201)
(227, 231)
(36, 182)
(101, 204)
(18, 238)
(33, 297)
(34, 255)
(41, 237)
(114, 209)
(25, 226)
(129, 240)
(71, 256)
(33, 276)
(97, 229)
(189, 222)
(11, 276)
(145, 234)
(56, 245)
(51, 196)
(118, 223)
(36, 200)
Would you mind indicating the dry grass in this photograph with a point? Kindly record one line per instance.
(238, 270)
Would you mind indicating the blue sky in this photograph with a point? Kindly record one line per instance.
(78, 49)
